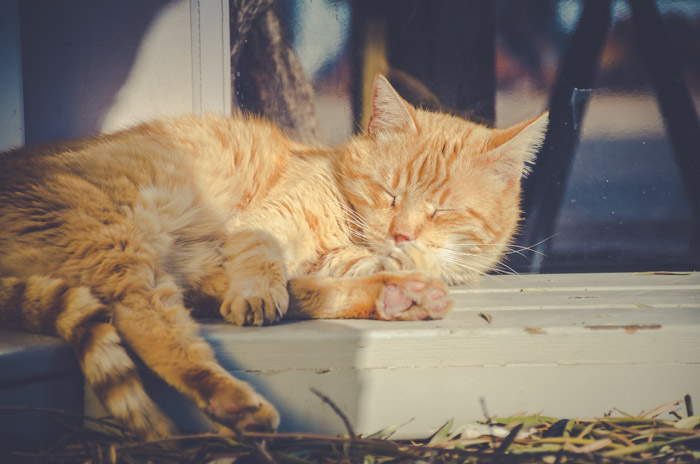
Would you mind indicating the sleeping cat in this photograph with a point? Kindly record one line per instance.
(100, 239)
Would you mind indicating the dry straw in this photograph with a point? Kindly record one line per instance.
(617, 437)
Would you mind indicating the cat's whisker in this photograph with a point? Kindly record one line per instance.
(350, 218)
(476, 271)
(450, 258)
(357, 233)
(505, 269)
(485, 266)
(483, 260)
(362, 238)
(464, 266)
(355, 223)
(486, 260)
(521, 250)
(367, 235)
(532, 247)
(355, 220)
(513, 248)
(473, 255)
(509, 249)
(352, 213)
(363, 231)
(500, 267)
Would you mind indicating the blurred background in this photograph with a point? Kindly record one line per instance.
(616, 186)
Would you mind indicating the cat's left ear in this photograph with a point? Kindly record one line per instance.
(513, 150)
(390, 112)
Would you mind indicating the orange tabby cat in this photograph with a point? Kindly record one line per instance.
(101, 238)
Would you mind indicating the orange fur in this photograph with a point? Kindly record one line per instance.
(101, 238)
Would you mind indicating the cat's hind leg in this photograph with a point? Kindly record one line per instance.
(51, 306)
(153, 320)
(126, 267)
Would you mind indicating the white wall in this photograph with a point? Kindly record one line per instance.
(91, 67)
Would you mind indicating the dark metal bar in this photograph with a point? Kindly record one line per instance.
(544, 189)
(675, 102)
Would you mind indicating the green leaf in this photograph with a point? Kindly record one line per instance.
(462, 444)
(385, 433)
(527, 421)
(568, 428)
(688, 423)
(441, 435)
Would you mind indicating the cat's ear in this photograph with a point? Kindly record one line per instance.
(390, 112)
(513, 150)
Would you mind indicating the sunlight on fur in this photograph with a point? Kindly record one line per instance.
(103, 239)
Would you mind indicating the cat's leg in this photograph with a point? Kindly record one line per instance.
(253, 287)
(126, 269)
(353, 261)
(361, 287)
(152, 319)
(385, 296)
(51, 306)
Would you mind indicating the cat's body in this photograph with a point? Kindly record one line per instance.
(101, 239)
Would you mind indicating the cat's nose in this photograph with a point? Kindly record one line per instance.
(398, 238)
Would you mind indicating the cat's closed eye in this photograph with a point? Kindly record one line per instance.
(436, 213)
(391, 198)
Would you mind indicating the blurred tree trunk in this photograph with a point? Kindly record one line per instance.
(266, 75)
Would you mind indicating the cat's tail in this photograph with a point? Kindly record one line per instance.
(51, 306)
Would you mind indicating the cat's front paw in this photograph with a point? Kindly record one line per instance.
(256, 300)
(414, 256)
(412, 296)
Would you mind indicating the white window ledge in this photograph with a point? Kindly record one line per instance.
(565, 345)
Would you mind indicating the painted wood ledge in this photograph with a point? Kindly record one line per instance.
(564, 345)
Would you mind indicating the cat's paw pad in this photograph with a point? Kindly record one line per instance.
(413, 297)
(414, 256)
(251, 414)
(256, 302)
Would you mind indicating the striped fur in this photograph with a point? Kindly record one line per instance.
(53, 307)
(101, 239)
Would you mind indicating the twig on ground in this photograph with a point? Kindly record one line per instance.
(348, 425)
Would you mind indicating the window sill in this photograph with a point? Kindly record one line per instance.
(564, 345)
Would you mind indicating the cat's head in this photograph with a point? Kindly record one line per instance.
(448, 183)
